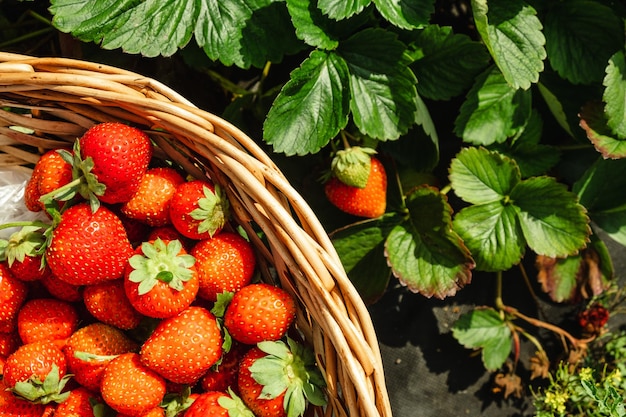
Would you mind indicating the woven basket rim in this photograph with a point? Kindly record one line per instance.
(71, 95)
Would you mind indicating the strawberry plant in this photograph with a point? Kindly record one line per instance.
(499, 126)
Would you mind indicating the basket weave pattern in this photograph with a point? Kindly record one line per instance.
(61, 98)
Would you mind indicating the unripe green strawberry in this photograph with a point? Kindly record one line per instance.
(369, 201)
(352, 165)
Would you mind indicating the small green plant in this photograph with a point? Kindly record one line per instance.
(591, 388)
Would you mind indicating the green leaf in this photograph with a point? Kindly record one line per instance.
(581, 36)
(492, 234)
(485, 329)
(512, 33)
(311, 108)
(600, 190)
(532, 157)
(595, 124)
(382, 86)
(448, 63)
(493, 110)
(424, 252)
(480, 176)
(406, 14)
(342, 9)
(553, 222)
(615, 94)
(240, 32)
(360, 247)
(311, 26)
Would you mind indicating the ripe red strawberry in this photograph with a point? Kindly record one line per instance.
(42, 319)
(207, 404)
(9, 342)
(14, 406)
(277, 379)
(77, 404)
(224, 375)
(61, 289)
(107, 302)
(50, 173)
(42, 365)
(160, 279)
(259, 312)
(154, 412)
(12, 295)
(184, 347)
(198, 209)
(250, 390)
(88, 247)
(95, 340)
(151, 202)
(225, 262)
(120, 155)
(369, 201)
(131, 388)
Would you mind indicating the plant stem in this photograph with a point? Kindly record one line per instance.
(498, 301)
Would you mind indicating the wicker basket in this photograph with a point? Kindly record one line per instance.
(61, 98)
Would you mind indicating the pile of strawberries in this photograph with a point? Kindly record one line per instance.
(139, 297)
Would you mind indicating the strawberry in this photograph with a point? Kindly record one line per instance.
(259, 312)
(153, 412)
(151, 202)
(369, 201)
(207, 404)
(9, 342)
(129, 387)
(120, 155)
(14, 406)
(160, 279)
(276, 379)
(198, 209)
(12, 295)
(78, 404)
(36, 371)
(61, 289)
(23, 254)
(107, 302)
(90, 349)
(225, 262)
(184, 347)
(49, 174)
(224, 375)
(88, 247)
(49, 319)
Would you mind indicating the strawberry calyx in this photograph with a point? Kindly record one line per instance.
(28, 241)
(235, 405)
(352, 165)
(46, 391)
(289, 368)
(218, 310)
(175, 403)
(163, 262)
(84, 182)
(212, 211)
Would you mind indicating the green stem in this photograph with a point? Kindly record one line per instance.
(26, 37)
(61, 190)
(498, 301)
(37, 223)
(531, 338)
(445, 190)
